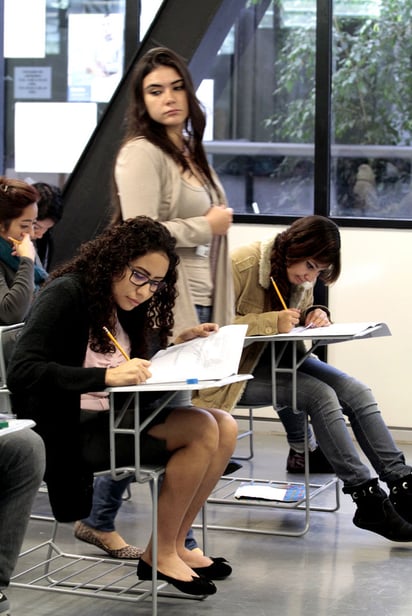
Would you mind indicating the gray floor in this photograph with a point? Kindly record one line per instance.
(335, 569)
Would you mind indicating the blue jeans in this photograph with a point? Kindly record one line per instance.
(22, 463)
(327, 394)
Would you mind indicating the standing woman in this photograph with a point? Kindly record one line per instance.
(162, 171)
(20, 276)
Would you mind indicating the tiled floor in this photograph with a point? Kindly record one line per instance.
(335, 569)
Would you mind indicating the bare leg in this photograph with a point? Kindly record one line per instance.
(202, 442)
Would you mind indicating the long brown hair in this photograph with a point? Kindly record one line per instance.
(140, 124)
(311, 237)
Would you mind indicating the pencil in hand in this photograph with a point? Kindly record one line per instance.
(116, 344)
(14, 240)
(282, 301)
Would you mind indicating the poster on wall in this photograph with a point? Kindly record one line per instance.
(95, 56)
(57, 149)
(24, 29)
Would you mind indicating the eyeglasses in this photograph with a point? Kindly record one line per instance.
(140, 280)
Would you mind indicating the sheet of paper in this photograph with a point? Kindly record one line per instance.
(284, 493)
(17, 424)
(211, 358)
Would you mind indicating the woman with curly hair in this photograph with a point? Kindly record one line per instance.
(123, 280)
(307, 250)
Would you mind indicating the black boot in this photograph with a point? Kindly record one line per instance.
(318, 463)
(376, 513)
(400, 494)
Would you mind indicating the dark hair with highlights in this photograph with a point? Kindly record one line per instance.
(312, 237)
(104, 260)
(15, 196)
(140, 124)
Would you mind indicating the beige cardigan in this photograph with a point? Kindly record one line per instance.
(148, 183)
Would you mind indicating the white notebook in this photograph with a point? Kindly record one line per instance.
(202, 359)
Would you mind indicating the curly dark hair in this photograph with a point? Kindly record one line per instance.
(311, 237)
(140, 124)
(104, 259)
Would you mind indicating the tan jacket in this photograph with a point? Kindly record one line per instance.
(251, 276)
(148, 182)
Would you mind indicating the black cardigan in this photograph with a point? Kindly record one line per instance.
(46, 378)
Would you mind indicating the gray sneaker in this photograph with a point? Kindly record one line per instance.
(4, 604)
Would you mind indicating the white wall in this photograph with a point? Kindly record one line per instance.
(375, 285)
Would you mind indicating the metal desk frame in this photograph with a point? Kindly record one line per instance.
(59, 571)
(224, 492)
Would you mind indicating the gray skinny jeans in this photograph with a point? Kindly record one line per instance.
(327, 394)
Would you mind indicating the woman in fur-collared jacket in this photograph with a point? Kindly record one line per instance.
(310, 249)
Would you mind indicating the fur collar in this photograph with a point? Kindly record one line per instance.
(264, 262)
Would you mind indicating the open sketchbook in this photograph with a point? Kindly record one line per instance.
(201, 359)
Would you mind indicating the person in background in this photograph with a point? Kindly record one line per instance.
(22, 462)
(161, 171)
(20, 276)
(49, 213)
(307, 250)
(123, 280)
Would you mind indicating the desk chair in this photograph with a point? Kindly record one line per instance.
(257, 394)
(8, 337)
(56, 570)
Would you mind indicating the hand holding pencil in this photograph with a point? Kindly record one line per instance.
(131, 372)
(23, 247)
(288, 318)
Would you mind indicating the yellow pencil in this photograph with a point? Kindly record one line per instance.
(119, 346)
(14, 240)
(279, 294)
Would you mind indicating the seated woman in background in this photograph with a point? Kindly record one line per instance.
(50, 212)
(20, 276)
(123, 280)
(295, 258)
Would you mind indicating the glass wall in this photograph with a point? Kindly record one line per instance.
(261, 90)
(372, 109)
(265, 102)
(264, 79)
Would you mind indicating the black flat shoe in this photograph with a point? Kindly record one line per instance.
(198, 585)
(232, 467)
(218, 570)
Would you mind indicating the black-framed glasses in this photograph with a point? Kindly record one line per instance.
(140, 280)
